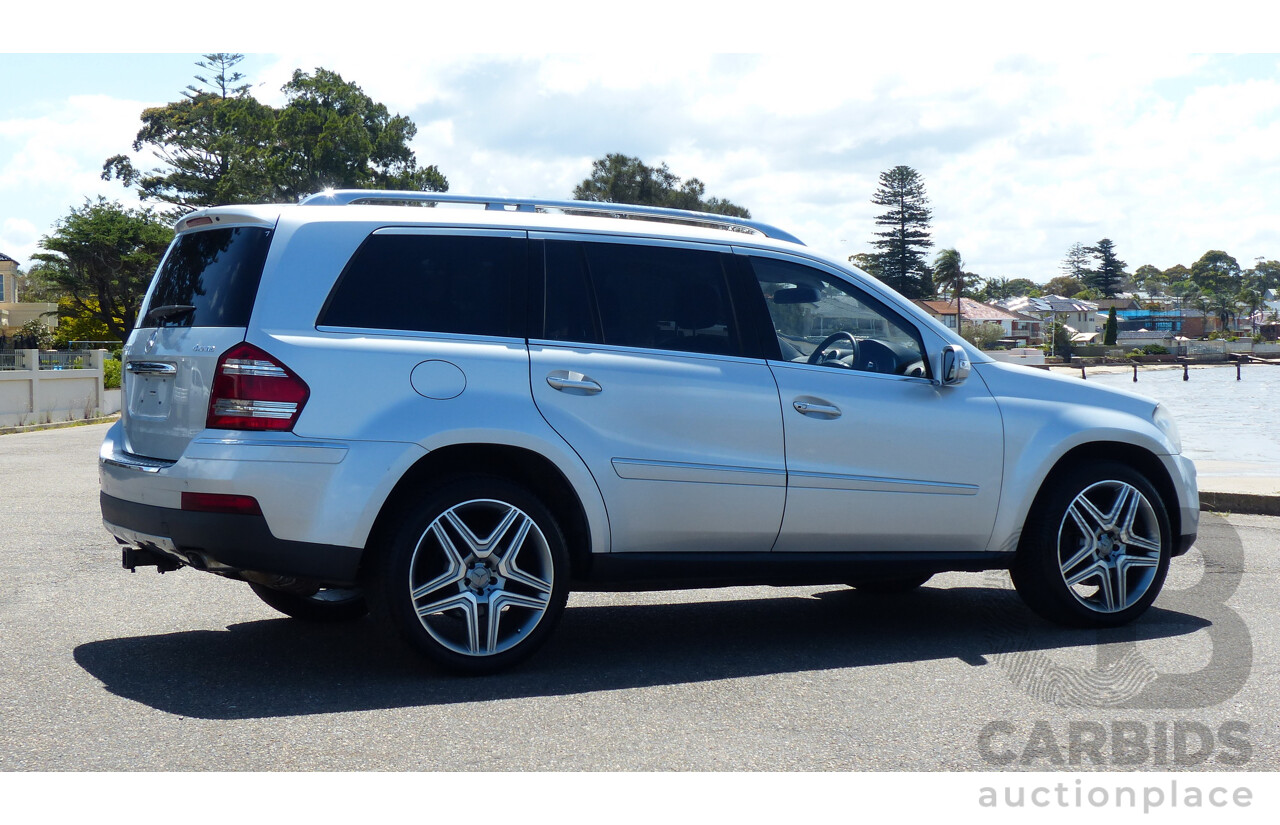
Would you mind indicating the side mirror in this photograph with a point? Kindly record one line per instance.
(952, 365)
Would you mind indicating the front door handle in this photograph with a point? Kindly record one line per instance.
(815, 409)
(574, 383)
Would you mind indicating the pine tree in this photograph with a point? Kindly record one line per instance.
(1110, 273)
(902, 245)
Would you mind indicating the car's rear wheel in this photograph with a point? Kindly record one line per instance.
(475, 575)
(1096, 551)
(328, 604)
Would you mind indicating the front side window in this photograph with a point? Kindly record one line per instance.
(820, 319)
(464, 284)
(635, 295)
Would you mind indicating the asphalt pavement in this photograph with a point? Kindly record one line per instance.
(106, 670)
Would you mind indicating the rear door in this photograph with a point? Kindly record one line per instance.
(197, 307)
(643, 370)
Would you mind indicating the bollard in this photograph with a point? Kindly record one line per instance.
(1135, 373)
(1184, 372)
(1238, 362)
(1083, 377)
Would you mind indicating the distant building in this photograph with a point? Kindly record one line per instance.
(13, 313)
(8, 280)
(1015, 328)
(1081, 316)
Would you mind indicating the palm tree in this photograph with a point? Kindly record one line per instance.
(948, 270)
(1251, 298)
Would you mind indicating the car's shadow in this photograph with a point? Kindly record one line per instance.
(282, 667)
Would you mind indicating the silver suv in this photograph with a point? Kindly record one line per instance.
(456, 415)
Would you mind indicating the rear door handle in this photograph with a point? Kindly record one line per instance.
(815, 409)
(574, 383)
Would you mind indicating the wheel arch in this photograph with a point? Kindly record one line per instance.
(1140, 459)
(524, 466)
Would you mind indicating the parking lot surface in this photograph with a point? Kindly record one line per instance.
(102, 669)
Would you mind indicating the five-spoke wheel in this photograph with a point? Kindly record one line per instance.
(1097, 552)
(476, 574)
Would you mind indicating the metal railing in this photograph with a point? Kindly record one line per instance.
(10, 360)
(65, 361)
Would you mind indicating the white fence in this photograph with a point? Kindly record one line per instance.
(44, 387)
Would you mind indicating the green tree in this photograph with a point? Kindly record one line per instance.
(982, 336)
(998, 289)
(101, 257)
(1064, 285)
(1110, 273)
(948, 273)
(905, 239)
(78, 324)
(1075, 264)
(868, 262)
(1265, 275)
(1251, 298)
(1149, 279)
(1109, 337)
(1216, 272)
(213, 145)
(331, 134)
(618, 178)
(219, 145)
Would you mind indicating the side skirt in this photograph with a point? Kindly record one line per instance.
(681, 571)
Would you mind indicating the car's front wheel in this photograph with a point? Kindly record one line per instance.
(475, 575)
(1096, 550)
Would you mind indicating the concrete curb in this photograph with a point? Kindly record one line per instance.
(58, 425)
(1248, 503)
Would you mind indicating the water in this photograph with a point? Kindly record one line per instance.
(1228, 427)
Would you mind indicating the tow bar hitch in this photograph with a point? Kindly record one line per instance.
(134, 557)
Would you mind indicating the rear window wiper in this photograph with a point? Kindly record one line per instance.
(168, 311)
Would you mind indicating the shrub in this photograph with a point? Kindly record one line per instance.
(111, 373)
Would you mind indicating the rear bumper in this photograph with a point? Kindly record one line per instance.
(225, 543)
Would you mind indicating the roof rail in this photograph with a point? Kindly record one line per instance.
(343, 197)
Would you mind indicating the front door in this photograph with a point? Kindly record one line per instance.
(879, 458)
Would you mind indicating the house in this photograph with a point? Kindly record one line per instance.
(1119, 303)
(1014, 326)
(13, 314)
(1081, 316)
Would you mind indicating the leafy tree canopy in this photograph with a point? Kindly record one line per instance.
(219, 145)
(905, 238)
(618, 178)
(1064, 285)
(101, 257)
(1149, 279)
(1216, 272)
(998, 289)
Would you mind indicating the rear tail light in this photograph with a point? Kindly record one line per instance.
(221, 503)
(253, 391)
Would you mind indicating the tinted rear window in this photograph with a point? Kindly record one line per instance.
(646, 296)
(216, 271)
(468, 284)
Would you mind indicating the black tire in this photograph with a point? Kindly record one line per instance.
(327, 605)
(462, 548)
(902, 584)
(1095, 549)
